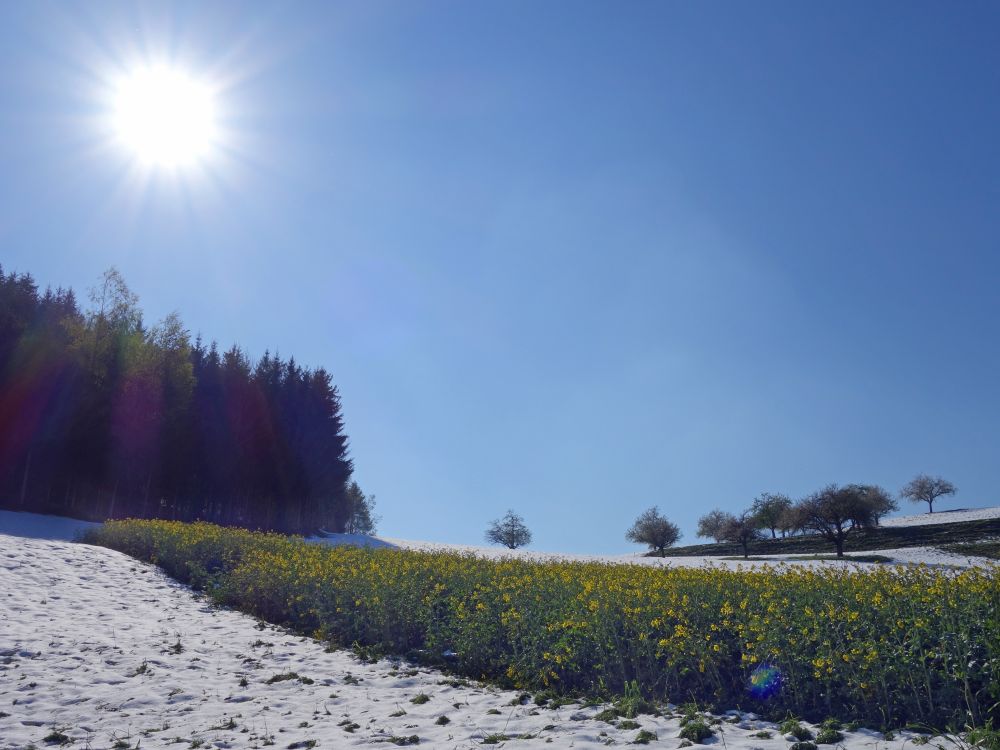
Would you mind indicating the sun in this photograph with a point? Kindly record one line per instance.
(165, 117)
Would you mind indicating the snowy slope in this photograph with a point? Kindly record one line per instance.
(105, 649)
(37, 526)
(944, 516)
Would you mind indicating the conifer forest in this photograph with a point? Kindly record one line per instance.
(105, 416)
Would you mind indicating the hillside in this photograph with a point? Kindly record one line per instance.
(952, 530)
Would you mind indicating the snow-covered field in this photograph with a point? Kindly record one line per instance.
(944, 516)
(902, 556)
(110, 652)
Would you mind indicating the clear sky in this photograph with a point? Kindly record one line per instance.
(574, 259)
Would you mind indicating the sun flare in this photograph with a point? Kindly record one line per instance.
(165, 117)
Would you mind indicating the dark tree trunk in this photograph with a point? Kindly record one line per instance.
(24, 480)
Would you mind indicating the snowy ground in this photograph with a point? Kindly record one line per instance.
(110, 652)
(37, 526)
(904, 556)
(944, 516)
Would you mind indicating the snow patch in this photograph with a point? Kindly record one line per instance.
(38, 526)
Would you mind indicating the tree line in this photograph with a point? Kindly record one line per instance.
(102, 416)
(832, 513)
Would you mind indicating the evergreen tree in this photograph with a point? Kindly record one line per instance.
(103, 417)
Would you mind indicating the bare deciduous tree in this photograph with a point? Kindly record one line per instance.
(926, 489)
(654, 530)
(361, 518)
(792, 521)
(834, 511)
(768, 508)
(881, 501)
(710, 525)
(741, 530)
(509, 531)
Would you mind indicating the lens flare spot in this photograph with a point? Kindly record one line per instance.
(765, 682)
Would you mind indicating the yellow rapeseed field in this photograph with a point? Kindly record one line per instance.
(887, 645)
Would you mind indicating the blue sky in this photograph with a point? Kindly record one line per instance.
(574, 259)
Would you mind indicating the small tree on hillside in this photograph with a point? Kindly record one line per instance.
(742, 530)
(654, 530)
(360, 507)
(926, 489)
(710, 525)
(882, 503)
(834, 511)
(509, 531)
(792, 520)
(768, 508)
